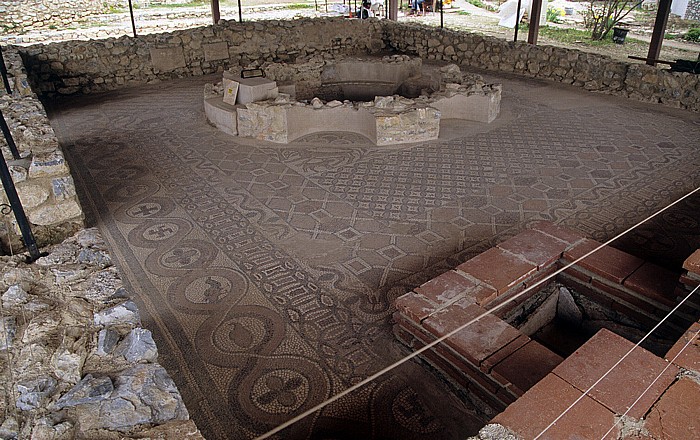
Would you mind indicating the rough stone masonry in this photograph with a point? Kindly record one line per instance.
(74, 360)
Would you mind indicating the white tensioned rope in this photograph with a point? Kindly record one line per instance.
(418, 352)
(585, 393)
(653, 382)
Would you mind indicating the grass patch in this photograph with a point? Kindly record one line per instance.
(571, 36)
(481, 4)
(181, 5)
(299, 6)
(464, 13)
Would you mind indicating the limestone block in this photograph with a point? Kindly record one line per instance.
(263, 122)
(125, 313)
(215, 51)
(32, 196)
(63, 188)
(256, 89)
(413, 125)
(67, 365)
(223, 116)
(50, 214)
(138, 346)
(48, 164)
(167, 59)
(478, 106)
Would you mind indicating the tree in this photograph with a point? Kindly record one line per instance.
(602, 16)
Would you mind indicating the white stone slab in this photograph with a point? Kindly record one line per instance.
(256, 89)
(215, 51)
(230, 91)
(168, 58)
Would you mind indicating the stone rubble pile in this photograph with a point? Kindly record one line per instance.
(42, 176)
(74, 360)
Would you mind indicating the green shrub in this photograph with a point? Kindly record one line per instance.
(553, 15)
(693, 34)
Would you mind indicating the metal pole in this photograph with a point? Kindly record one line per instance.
(8, 137)
(133, 22)
(442, 15)
(240, 12)
(517, 20)
(15, 203)
(3, 71)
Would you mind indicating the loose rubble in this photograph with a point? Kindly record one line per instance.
(73, 357)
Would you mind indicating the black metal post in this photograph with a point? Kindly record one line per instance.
(8, 136)
(240, 12)
(517, 20)
(15, 203)
(133, 22)
(3, 71)
(442, 15)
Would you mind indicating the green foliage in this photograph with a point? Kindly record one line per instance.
(553, 15)
(602, 16)
(693, 34)
(299, 6)
(464, 13)
(481, 4)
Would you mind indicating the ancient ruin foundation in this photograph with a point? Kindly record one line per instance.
(389, 100)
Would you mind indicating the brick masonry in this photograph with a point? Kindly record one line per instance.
(496, 363)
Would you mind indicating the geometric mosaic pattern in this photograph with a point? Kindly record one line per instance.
(267, 273)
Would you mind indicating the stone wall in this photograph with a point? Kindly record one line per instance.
(42, 176)
(76, 362)
(593, 72)
(93, 66)
(20, 16)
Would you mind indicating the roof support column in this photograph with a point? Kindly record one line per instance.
(535, 13)
(657, 36)
(394, 9)
(215, 13)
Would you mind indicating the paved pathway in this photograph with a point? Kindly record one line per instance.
(267, 273)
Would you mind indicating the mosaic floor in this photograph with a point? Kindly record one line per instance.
(267, 273)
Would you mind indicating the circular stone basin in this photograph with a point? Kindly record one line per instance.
(388, 100)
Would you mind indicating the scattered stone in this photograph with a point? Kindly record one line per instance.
(89, 390)
(125, 313)
(138, 346)
(495, 432)
(316, 103)
(9, 428)
(94, 257)
(143, 394)
(14, 296)
(334, 103)
(102, 285)
(33, 393)
(46, 429)
(106, 341)
(567, 310)
(67, 365)
(90, 238)
(8, 330)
